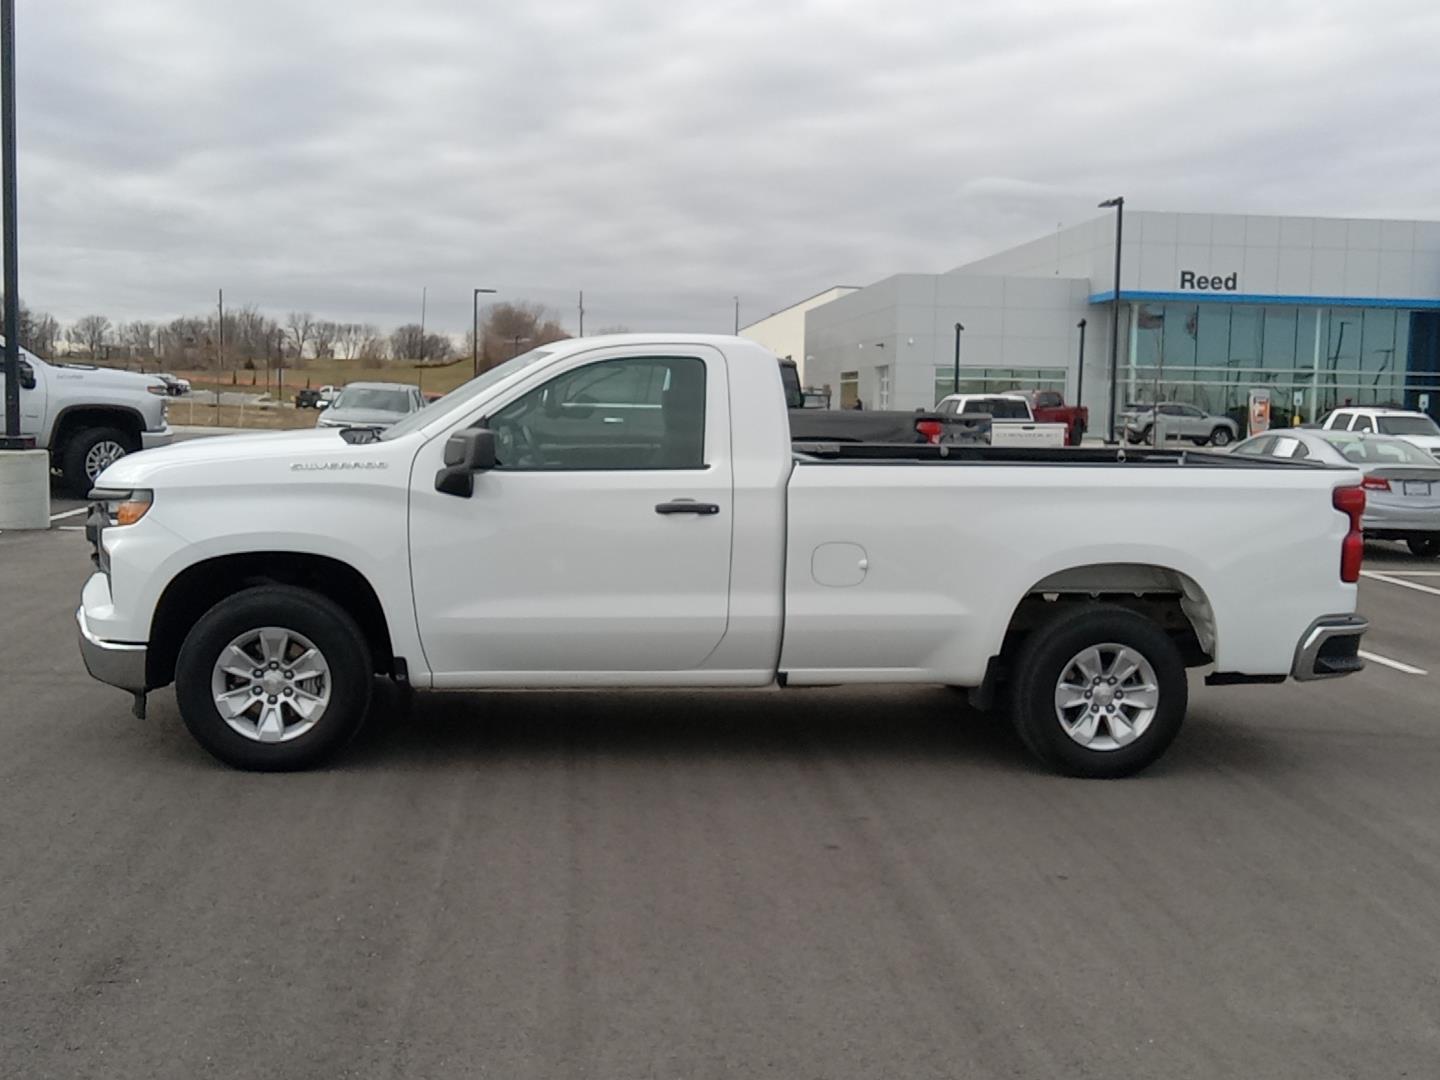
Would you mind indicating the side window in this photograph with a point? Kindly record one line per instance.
(976, 406)
(1256, 447)
(641, 413)
(1285, 447)
(1362, 423)
(1336, 420)
(946, 408)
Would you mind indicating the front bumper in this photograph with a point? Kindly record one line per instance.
(149, 440)
(1330, 648)
(111, 662)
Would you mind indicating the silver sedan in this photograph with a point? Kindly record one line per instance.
(1401, 481)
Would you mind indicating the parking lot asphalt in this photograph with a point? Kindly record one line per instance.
(827, 883)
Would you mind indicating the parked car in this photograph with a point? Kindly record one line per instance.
(1011, 421)
(1402, 482)
(308, 398)
(629, 511)
(371, 404)
(1414, 427)
(1048, 407)
(328, 394)
(88, 417)
(174, 385)
(1177, 421)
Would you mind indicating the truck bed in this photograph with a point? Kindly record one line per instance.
(1039, 455)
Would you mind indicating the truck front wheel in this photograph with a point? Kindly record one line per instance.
(1099, 692)
(273, 679)
(89, 452)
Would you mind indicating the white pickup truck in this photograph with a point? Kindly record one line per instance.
(629, 512)
(88, 417)
(1011, 421)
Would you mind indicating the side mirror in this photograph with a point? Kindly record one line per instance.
(466, 453)
(27, 376)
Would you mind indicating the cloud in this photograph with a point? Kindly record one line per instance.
(336, 157)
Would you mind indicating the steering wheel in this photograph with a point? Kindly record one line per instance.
(515, 444)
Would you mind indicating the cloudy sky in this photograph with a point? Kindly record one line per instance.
(339, 155)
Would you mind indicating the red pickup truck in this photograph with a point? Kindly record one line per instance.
(1049, 408)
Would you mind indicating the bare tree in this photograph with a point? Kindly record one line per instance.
(90, 333)
(439, 348)
(370, 342)
(138, 336)
(406, 342)
(300, 325)
(510, 328)
(325, 334)
(39, 330)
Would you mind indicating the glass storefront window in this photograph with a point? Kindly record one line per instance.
(1211, 355)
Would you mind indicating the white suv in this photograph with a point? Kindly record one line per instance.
(1414, 427)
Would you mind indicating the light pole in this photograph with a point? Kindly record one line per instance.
(475, 331)
(12, 440)
(1118, 202)
(424, 294)
(955, 380)
(737, 316)
(1080, 366)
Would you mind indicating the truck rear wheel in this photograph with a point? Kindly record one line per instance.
(1099, 692)
(1427, 547)
(274, 679)
(89, 452)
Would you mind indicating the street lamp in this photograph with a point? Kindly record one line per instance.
(1119, 204)
(12, 440)
(737, 316)
(1080, 366)
(955, 380)
(475, 331)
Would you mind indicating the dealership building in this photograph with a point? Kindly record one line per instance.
(1319, 311)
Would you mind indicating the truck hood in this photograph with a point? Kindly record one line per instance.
(360, 417)
(139, 470)
(106, 378)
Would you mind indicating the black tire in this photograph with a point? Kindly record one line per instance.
(1221, 437)
(1426, 547)
(333, 633)
(77, 452)
(1045, 658)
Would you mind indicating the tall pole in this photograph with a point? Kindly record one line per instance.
(12, 441)
(424, 291)
(582, 314)
(475, 330)
(220, 338)
(737, 316)
(1080, 366)
(1119, 204)
(955, 380)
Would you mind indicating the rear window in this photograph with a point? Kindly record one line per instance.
(1374, 451)
(999, 408)
(366, 397)
(1407, 425)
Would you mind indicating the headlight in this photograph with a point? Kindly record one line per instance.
(118, 508)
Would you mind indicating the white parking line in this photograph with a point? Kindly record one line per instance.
(1411, 573)
(1408, 669)
(70, 513)
(1401, 582)
(71, 528)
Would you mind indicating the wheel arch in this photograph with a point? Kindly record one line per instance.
(75, 418)
(202, 585)
(1172, 598)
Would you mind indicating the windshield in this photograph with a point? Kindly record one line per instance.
(1373, 451)
(463, 395)
(1407, 425)
(373, 397)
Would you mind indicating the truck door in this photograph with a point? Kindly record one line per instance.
(32, 396)
(601, 542)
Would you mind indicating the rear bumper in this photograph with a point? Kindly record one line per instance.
(1330, 648)
(111, 662)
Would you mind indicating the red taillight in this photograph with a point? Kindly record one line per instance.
(1351, 502)
(931, 429)
(1375, 483)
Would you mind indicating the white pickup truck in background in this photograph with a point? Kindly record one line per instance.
(628, 511)
(1011, 421)
(88, 417)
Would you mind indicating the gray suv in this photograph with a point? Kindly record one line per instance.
(1178, 421)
